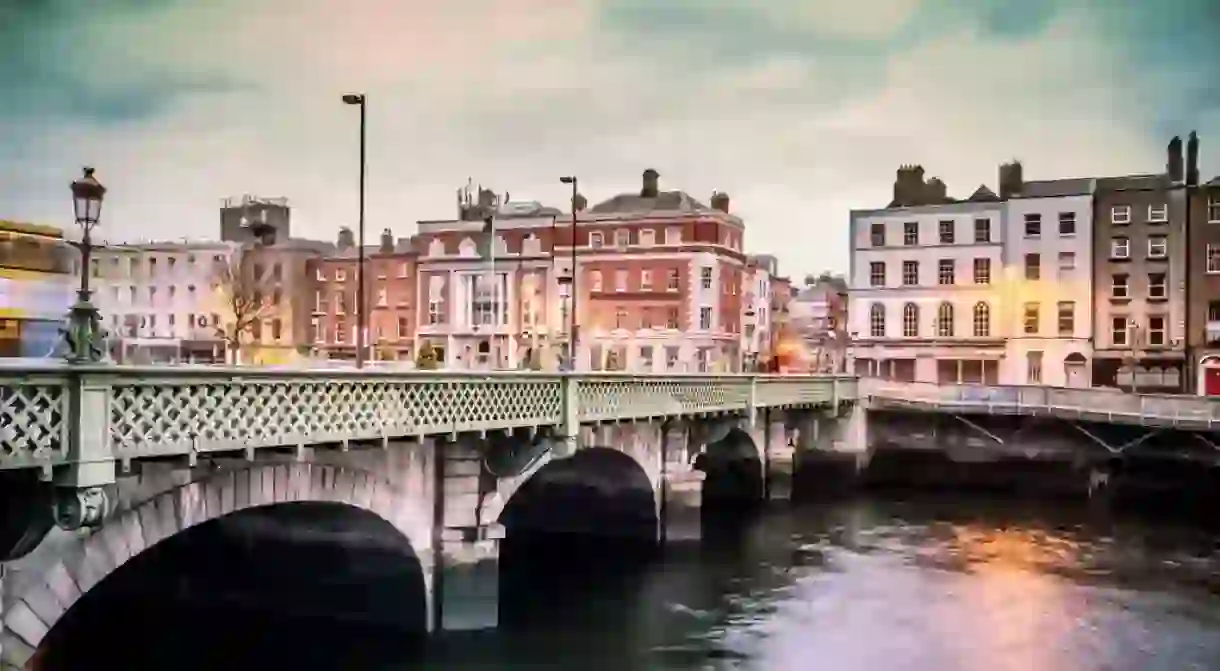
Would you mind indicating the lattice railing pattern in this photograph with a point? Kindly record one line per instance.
(160, 411)
(32, 427)
(630, 397)
(180, 416)
(776, 390)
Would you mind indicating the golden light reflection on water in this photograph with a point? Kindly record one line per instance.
(1019, 615)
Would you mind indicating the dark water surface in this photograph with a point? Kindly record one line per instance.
(880, 585)
(868, 584)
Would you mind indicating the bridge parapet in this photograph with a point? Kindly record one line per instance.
(1101, 405)
(56, 415)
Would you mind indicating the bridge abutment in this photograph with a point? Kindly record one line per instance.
(831, 449)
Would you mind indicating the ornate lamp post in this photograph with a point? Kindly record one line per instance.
(84, 334)
(360, 100)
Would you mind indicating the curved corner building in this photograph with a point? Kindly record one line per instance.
(35, 288)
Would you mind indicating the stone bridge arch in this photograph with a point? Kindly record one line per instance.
(642, 442)
(37, 599)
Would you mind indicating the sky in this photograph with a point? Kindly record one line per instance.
(800, 109)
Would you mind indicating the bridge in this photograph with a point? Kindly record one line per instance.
(1058, 439)
(101, 465)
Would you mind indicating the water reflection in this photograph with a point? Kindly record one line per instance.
(901, 586)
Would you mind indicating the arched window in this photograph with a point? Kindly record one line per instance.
(876, 320)
(982, 320)
(944, 320)
(910, 321)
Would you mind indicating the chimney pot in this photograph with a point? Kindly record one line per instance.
(1173, 164)
(650, 187)
(1192, 159)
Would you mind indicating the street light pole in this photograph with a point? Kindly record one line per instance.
(572, 334)
(362, 315)
(84, 335)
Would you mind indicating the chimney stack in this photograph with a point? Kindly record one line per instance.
(1192, 159)
(1173, 165)
(650, 188)
(720, 201)
(387, 242)
(1012, 179)
(347, 239)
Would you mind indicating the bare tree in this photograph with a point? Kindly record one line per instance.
(240, 283)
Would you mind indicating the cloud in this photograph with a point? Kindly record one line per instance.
(799, 109)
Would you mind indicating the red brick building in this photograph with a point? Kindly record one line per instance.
(390, 294)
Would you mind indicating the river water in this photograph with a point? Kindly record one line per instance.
(869, 584)
(874, 585)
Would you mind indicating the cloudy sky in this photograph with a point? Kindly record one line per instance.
(800, 109)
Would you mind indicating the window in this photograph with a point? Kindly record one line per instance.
(1118, 331)
(1213, 209)
(877, 235)
(321, 275)
(910, 273)
(946, 232)
(645, 280)
(945, 271)
(910, 320)
(1033, 367)
(705, 318)
(673, 235)
(1213, 258)
(1033, 266)
(620, 317)
(876, 273)
(1067, 224)
(595, 281)
(277, 328)
(1120, 214)
(595, 239)
(1067, 318)
(340, 275)
(671, 280)
(646, 318)
(1158, 214)
(435, 316)
(982, 230)
(1120, 248)
(1157, 248)
(1156, 331)
(944, 320)
(671, 358)
(876, 320)
(315, 330)
(1067, 262)
(404, 328)
(622, 238)
(982, 320)
(383, 298)
(1033, 225)
(620, 281)
(910, 233)
(402, 270)
(648, 237)
(1213, 311)
(671, 318)
(645, 358)
(1031, 319)
(1156, 286)
(982, 271)
(1118, 286)
(705, 278)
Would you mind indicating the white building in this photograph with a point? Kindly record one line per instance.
(757, 318)
(925, 296)
(159, 301)
(1048, 252)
